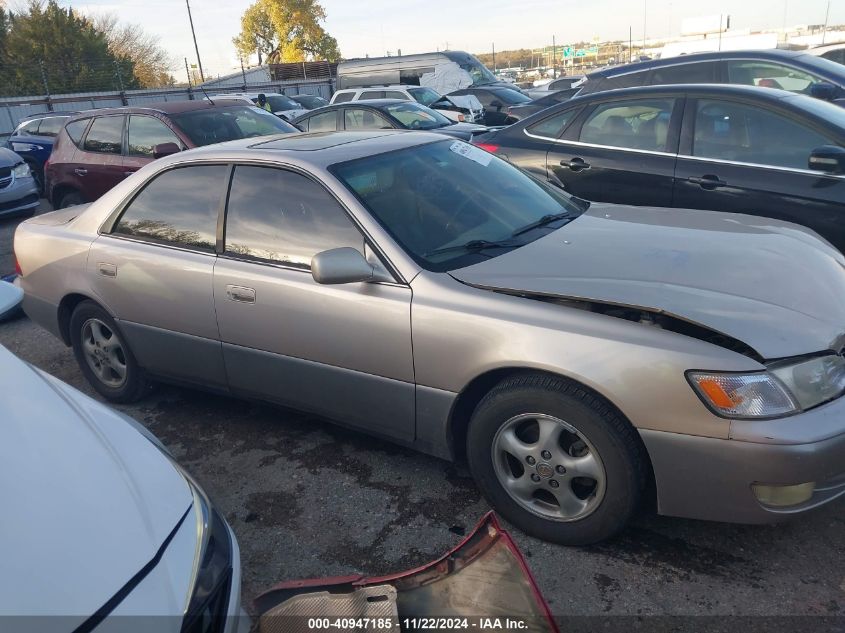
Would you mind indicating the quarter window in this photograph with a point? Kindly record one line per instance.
(75, 130)
(770, 75)
(553, 126)
(178, 207)
(326, 122)
(30, 128)
(364, 120)
(636, 124)
(748, 134)
(280, 216)
(342, 97)
(105, 135)
(145, 132)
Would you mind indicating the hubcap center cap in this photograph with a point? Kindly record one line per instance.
(545, 470)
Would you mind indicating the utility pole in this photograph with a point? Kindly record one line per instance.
(720, 31)
(188, 73)
(494, 57)
(193, 33)
(826, 17)
(630, 43)
(243, 72)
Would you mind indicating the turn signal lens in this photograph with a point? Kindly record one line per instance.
(784, 496)
(758, 395)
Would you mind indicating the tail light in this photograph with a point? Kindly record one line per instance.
(18, 270)
(489, 147)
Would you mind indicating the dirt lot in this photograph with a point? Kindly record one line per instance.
(308, 499)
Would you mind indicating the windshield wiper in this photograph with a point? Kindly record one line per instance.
(546, 219)
(473, 245)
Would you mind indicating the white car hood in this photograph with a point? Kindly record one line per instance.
(777, 287)
(87, 499)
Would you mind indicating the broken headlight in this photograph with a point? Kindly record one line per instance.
(787, 387)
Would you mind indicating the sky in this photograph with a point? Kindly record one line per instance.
(414, 26)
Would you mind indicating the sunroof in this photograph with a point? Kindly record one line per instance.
(318, 140)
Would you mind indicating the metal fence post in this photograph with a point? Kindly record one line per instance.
(120, 83)
(46, 86)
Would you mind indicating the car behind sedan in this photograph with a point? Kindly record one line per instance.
(100, 522)
(384, 114)
(722, 148)
(18, 187)
(423, 290)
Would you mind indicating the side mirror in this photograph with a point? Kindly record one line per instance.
(341, 266)
(828, 158)
(165, 149)
(823, 90)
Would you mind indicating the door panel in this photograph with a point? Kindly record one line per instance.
(340, 350)
(742, 157)
(622, 152)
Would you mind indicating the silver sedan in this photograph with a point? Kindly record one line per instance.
(420, 289)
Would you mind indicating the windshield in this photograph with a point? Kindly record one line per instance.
(425, 96)
(443, 202)
(279, 103)
(478, 73)
(311, 101)
(413, 116)
(217, 125)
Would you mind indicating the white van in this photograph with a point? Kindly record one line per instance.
(460, 109)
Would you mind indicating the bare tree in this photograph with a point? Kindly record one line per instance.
(152, 62)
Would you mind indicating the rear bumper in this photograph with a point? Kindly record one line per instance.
(709, 478)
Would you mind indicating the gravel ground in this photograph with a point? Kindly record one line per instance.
(309, 499)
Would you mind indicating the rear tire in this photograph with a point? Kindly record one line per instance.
(70, 199)
(104, 357)
(555, 460)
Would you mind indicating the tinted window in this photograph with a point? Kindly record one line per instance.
(510, 97)
(281, 216)
(749, 134)
(395, 94)
(75, 130)
(553, 126)
(342, 97)
(435, 198)
(30, 128)
(634, 124)
(105, 135)
(425, 96)
(770, 75)
(325, 122)
(413, 116)
(178, 207)
(837, 56)
(145, 132)
(623, 81)
(699, 73)
(372, 94)
(216, 125)
(51, 126)
(364, 120)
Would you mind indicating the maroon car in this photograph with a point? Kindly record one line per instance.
(97, 149)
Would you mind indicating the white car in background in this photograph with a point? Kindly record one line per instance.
(99, 521)
(464, 109)
(280, 105)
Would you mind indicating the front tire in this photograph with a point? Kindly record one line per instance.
(104, 357)
(555, 460)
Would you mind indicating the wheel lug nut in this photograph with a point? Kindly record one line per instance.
(553, 483)
(546, 455)
(535, 477)
(531, 461)
(560, 470)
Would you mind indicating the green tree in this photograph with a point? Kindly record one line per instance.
(286, 31)
(151, 62)
(45, 41)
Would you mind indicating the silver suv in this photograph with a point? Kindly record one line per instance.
(465, 109)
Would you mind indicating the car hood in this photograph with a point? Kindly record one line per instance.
(88, 499)
(776, 286)
(8, 158)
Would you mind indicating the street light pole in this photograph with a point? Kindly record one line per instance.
(826, 17)
(193, 33)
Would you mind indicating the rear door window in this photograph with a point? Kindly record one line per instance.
(770, 75)
(631, 124)
(325, 122)
(178, 207)
(75, 130)
(105, 135)
(395, 94)
(30, 128)
(276, 215)
(372, 94)
(697, 73)
(553, 127)
(51, 126)
(360, 119)
(145, 132)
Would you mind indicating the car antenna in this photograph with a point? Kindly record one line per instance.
(206, 94)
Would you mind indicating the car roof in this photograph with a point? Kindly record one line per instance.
(727, 89)
(47, 115)
(164, 107)
(316, 149)
(774, 54)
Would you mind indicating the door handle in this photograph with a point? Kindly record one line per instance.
(576, 164)
(80, 172)
(708, 181)
(241, 294)
(106, 269)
